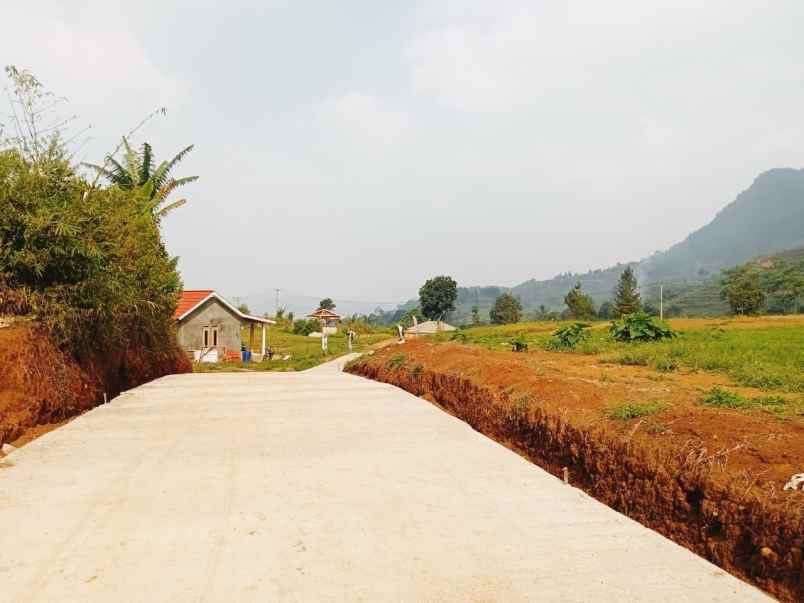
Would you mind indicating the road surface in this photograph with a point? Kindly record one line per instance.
(316, 486)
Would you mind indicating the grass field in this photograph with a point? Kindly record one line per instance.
(766, 352)
(305, 352)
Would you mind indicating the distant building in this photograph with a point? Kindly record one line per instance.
(209, 327)
(430, 327)
(328, 319)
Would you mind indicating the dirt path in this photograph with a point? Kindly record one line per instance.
(313, 486)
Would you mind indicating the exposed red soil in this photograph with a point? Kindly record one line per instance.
(709, 479)
(41, 385)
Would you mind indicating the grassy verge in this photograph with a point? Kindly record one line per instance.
(759, 353)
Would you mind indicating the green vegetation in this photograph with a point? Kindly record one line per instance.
(766, 357)
(327, 304)
(579, 305)
(626, 295)
(722, 398)
(634, 410)
(506, 310)
(569, 336)
(640, 327)
(437, 297)
(519, 343)
(86, 261)
(138, 174)
(397, 360)
(305, 326)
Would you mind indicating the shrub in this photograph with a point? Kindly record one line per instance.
(568, 337)
(519, 344)
(640, 327)
(305, 327)
(723, 398)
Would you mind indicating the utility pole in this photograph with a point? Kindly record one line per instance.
(276, 309)
(661, 302)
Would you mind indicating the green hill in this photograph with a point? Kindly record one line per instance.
(763, 220)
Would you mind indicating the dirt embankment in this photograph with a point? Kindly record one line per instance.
(711, 480)
(41, 385)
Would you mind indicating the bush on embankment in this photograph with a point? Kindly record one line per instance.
(670, 490)
(87, 269)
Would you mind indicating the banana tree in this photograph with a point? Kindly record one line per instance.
(137, 172)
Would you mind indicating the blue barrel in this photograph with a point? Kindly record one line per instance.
(246, 356)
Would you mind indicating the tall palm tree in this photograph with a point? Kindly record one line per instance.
(137, 172)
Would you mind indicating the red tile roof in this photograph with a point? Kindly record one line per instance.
(324, 313)
(189, 300)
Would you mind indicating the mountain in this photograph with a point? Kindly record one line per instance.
(765, 219)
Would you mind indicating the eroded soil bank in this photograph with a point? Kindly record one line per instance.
(709, 479)
(41, 385)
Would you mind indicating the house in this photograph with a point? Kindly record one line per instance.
(328, 319)
(210, 328)
(430, 327)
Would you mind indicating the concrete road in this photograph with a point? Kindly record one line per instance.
(315, 486)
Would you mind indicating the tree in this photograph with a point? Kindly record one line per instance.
(327, 304)
(244, 309)
(626, 295)
(137, 172)
(506, 309)
(742, 291)
(437, 297)
(606, 311)
(475, 315)
(579, 305)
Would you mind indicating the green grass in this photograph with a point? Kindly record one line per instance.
(634, 410)
(777, 405)
(305, 352)
(768, 357)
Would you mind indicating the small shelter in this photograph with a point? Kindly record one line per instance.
(430, 327)
(210, 328)
(328, 319)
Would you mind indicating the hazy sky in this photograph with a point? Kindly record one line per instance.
(354, 148)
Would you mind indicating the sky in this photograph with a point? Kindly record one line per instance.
(354, 148)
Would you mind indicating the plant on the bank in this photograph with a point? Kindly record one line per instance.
(640, 327)
(634, 410)
(437, 297)
(567, 337)
(506, 309)
(519, 343)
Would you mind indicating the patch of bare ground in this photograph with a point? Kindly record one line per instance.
(710, 479)
(41, 387)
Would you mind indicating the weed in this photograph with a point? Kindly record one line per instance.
(631, 360)
(665, 365)
(520, 407)
(397, 361)
(722, 398)
(633, 410)
(416, 371)
(519, 344)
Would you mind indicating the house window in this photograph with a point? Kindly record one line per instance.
(210, 336)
